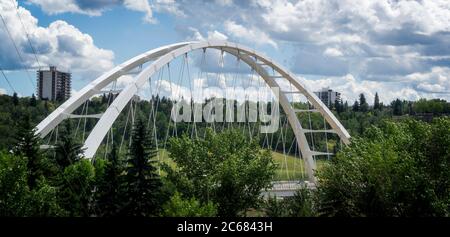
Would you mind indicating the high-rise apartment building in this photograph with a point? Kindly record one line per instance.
(328, 96)
(53, 84)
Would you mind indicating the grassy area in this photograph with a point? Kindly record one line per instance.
(295, 167)
(163, 157)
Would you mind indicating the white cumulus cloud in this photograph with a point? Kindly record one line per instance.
(59, 44)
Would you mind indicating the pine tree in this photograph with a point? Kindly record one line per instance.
(397, 107)
(356, 106)
(338, 106)
(68, 149)
(143, 184)
(363, 106)
(33, 101)
(46, 107)
(15, 99)
(108, 195)
(104, 99)
(28, 147)
(376, 104)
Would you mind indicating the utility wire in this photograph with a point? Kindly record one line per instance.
(7, 80)
(17, 49)
(26, 33)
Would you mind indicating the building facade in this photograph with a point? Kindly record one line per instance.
(328, 96)
(53, 84)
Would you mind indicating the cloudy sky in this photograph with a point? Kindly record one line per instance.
(398, 48)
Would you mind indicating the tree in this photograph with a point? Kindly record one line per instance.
(104, 99)
(75, 192)
(355, 107)
(363, 105)
(15, 99)
(28, 146)
(143, 184)
(345, 106)
(179, 207)
(16, 198)
(338, 106)
(225, 168)
(397, 107)
(396, 169)
(33, 101)
(299, 205)
(275, 208)
(108, 183)
(376, 104)
(68, 149)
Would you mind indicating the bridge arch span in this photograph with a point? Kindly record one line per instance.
(160, 57)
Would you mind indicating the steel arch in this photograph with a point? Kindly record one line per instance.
(163, 55)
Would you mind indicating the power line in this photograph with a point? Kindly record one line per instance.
(17, 49)
(7, 80)
(26, 33)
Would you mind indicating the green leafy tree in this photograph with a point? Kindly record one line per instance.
(75, 188)
(143, 184)
(396, 169)
(179, 207)
(17, 199)
(226, 168)
(301, 204)
(275, 208)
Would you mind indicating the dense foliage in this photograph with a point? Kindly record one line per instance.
(396, 169)
(225, 168)
(398, 164)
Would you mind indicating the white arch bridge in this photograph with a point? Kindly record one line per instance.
(156, 59)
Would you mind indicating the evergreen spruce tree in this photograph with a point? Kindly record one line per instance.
(363, 106)
(143, 184)
(108, 195)
(355, 107)
(397, 107)
(33, 101)
(28, 147)
(338, 106)
(75, 175)
(15, 99)
(104, 99)
(376, 104)
(68, 149)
